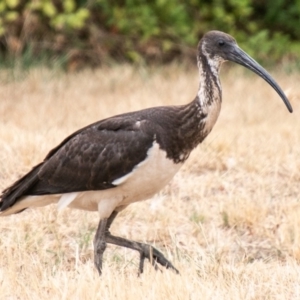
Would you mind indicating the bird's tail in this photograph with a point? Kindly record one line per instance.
(11, 195)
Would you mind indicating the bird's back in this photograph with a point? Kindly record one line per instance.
(107, 153)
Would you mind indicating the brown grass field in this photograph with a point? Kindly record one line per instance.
(229, 220)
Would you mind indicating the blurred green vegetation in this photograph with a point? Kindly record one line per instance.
(77, 32)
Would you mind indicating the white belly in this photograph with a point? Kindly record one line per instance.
(145, 180)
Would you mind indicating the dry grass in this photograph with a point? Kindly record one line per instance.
(229, 221)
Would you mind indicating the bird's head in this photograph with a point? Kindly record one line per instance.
(218, 47)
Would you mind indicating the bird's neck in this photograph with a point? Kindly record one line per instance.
(209, 97)
(210, 89)
(199, 116)
(196, 119)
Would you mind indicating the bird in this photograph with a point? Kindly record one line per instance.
(112, 163)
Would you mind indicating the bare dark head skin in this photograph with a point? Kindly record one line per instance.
(221, 47)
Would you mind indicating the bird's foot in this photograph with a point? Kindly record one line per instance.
(146, 251)
(155, 257)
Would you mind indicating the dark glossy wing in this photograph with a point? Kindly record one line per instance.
(90, 159)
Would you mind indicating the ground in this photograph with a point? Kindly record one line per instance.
(229, 220)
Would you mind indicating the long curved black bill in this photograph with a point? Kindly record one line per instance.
(242, 58)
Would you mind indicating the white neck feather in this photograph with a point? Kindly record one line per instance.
(209, 73)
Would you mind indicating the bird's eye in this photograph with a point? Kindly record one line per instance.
(221, 43)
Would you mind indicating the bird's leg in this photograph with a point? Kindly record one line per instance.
(100, 240)
(103, 236)
(146, 251)
(100, 244)
(110, 220)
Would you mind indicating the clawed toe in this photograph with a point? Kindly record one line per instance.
(155, 257)
(146, 251)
